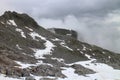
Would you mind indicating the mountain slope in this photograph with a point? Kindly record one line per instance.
(28, 51)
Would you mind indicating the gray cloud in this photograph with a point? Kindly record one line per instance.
(62, 8)
(96, 21)
(104, 32)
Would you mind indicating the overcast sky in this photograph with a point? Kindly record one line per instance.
(96, 21)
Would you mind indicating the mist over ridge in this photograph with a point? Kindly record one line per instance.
(104, 32)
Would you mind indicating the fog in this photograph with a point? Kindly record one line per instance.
(96, 21)
(104, 32)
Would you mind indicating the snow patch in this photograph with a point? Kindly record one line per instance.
(69, 34)
(39, 53)
(84, 48)
(81, 52)
(11, 22)
(58, 59)
(90, 49)
(40, 77)
(94, 54)
(17, 45)
(65, 46)
(26, 65)
(109, 57)
(28, 28)
(103, 52)
(34, 35)
(88, 56)
(21, 31)
(56, 39)
(2, 22)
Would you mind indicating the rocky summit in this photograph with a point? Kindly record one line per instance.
(31, 52)
(65, 32)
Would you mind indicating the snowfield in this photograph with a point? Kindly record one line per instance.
(103, 71)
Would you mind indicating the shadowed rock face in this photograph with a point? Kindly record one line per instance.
(64, 32)
(80, 70)
(20, 19)
(21, 37)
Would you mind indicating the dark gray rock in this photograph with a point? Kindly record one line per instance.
(30, 78)
(54, 62)
(79, 69)
(46, 70)
(64, 32)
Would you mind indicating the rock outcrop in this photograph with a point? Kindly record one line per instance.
(65, 32)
